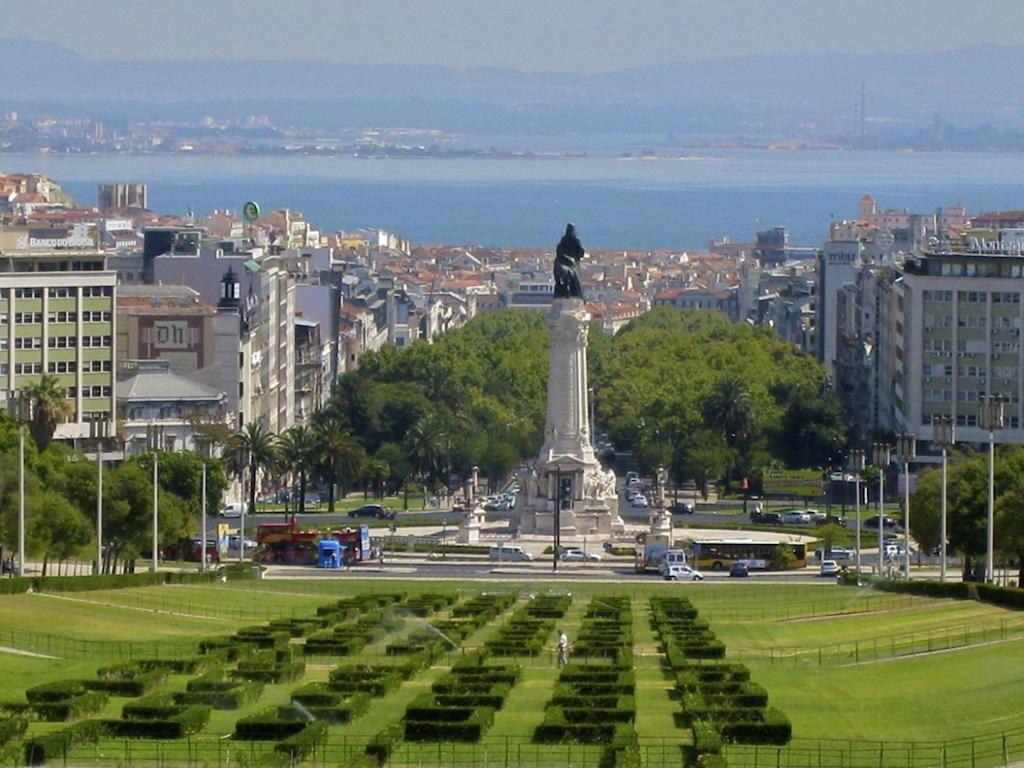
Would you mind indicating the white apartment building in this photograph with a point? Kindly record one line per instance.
(57, 316)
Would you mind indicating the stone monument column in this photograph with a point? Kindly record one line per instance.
(567, 483)
(567, 430)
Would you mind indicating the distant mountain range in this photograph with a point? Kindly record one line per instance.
(816, 94)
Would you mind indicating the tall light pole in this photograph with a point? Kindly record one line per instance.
(856, 466)
(881, 453)
(98, 426)
(943, 436)
(21, 410)
(243, 464)
(992, 420)
(906, 451)
(155, 439)
(203, 446)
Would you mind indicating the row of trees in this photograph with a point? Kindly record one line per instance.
(709, 399)
(967, 508)
(687, 390)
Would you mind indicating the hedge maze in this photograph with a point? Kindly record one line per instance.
(717, 699)
(291, 688)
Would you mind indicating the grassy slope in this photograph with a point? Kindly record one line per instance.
(926, 697)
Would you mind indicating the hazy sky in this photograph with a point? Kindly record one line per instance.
(576, 35)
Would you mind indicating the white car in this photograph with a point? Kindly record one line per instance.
(250, 545)
(579, 554)
(796, 517)
(683, 573)
(234, 510)
(639, 500)
(829, 568)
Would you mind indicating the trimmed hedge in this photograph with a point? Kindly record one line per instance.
(21, 585)
(126, 680)
(772, 728)
(447, 724)
(59, 690)
(267, 725)
(294, 749)
(187, 721)
(1008, 597)
(56, 744)
(270, 666)
(237, 696)
(70, 708)
(376, 680)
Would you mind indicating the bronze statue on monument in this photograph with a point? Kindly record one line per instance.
(567, 265)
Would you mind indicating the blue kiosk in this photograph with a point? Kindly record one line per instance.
(329, 554)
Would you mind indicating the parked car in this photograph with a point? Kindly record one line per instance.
(888, 523)
(234, 510)
(829, 568)
(639, 500)
(233, 541)
(578, 555)
(372, 510)
(766, 518)
(683, 572)
(796, 517)
(739, 570)
(683, 508)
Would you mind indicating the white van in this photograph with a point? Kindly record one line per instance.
(672, 557)
(510, 552)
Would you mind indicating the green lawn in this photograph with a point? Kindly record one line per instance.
(926, 697)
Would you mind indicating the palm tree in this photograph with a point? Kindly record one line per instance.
(339, 454)
(256, 449)
(298, 450)
(50, 407)
(376, 472)
(429, 447)
(729, 409)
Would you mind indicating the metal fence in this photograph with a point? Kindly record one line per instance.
(489, 752)
(889, 647)
(984, 751)
(73, 648)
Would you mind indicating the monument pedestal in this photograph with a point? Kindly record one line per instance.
(567, 471)
(472, 521)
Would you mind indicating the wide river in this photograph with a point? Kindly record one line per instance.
(616, 202)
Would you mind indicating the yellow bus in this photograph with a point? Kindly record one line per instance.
(720, 554)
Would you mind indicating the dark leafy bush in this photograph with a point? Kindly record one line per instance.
(12, 727)
(706, 739)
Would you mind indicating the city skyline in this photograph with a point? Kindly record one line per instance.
(566, 35)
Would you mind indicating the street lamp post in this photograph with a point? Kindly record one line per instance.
(243, 469)
(906, 451)
(21, 410)
(98, 425)
(203, 444)
(943, 436)
(881, 453)
(857, 468)
(992, 420)
(154, 440)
